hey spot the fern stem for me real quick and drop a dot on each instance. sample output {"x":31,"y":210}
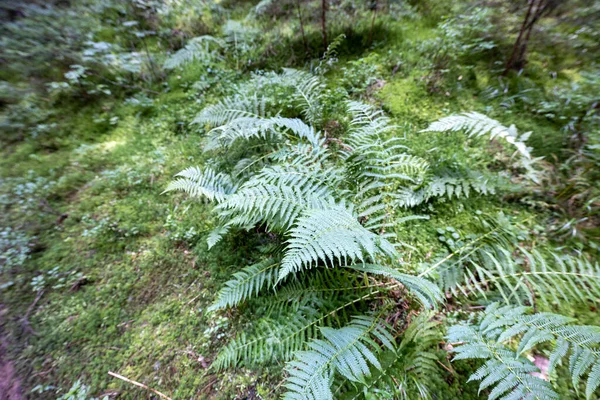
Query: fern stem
{"x":449,"y":256}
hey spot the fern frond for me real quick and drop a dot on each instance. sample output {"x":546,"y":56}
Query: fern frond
{"x":248,"y":127}
{"x":322,"y":288}
{"x":203,"y":183}
{"x":272,"y":338}
{"x":232,"y":108}
{"x":537,"y":277}
{"x":427,"y":292}
{"x":449,"y":185}
{"x":275,"y":200}
{"x":244,"y":128}
{"x":367,"y":124}
{"x":379,"y":162}
{"x":300,"y":129}
{"x":410,"y":371}
{"x":246,"y":283}
{"x":475,"y":124}
{"x":307,"y":172}
{"x":347,"y":351}
{"x":308,"y":92}
{"x":198,"y":48}
{"x":507,"y":323}
{"x":503,"y":368}
{"x":330,"y":235}
{"x":302,"y":154}
{"x":378,"y":168}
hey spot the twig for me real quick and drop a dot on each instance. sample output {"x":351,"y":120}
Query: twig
{"x":446,"y":368}
{"x":139,"y":384}
{"x":31,"y":307}
{"x":25,"y":320}
{"x":192,"y":300}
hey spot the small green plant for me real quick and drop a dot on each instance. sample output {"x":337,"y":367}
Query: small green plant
{"x":79,"y":391}
{"x":330,"y":214}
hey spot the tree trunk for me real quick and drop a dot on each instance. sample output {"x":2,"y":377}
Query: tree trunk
{"x":372,"y":22}
{"x":301,"y":26}
{"x":324,"y":22}
{"x":536,"y":10}
{"x":515,"y":61}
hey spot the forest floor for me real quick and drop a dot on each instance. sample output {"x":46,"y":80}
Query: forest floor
{"x":10,"y":383}
{"x":126,"y":276}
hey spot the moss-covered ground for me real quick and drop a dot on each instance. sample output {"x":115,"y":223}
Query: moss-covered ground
{"x":119,"y":275}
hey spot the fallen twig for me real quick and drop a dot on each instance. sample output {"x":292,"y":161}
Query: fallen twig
{"x":139,"y":384}
{"x":25,"y":319}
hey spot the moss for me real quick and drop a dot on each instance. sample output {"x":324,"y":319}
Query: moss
{"x":148,"y":275}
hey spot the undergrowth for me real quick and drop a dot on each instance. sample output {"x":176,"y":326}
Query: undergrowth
{"x":333,"y":240}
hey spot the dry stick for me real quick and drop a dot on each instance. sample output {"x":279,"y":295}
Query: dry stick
{"x":25,"y":320}
{"x":31,"y":307}
{"x":139,"y":384}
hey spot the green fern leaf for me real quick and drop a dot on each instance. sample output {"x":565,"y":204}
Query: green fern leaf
{"x":347,"y":351}
{"x":502,"y":324}
{"x":203,"y":183}
{"x":232,"y":108}
{"x":330,"y":236}
{"x":427,"y":292}
{"x":476,"y":124}
{"x":272,"y":338}
{"x":197,"y":49}
{"x":246,"y":283}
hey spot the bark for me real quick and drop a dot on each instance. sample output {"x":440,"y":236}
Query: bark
{"x":301,"y":26}
{"x":372,"y":22}
{"x":513,"y":61}
{"x":535,"y":11}
{"x":324,"y":22}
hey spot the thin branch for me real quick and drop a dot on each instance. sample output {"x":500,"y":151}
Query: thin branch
{"x":139,"y":384}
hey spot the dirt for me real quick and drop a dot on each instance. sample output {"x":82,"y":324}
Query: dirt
{"x":10,"y":385}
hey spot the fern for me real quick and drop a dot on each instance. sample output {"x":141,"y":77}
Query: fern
{"x":331,"y":215}
{"x":537,"y":277}
{"x":293,"y":315}
{"x":204,"y":184}
{"x":476,"y":124}
{"x":379,"y":168}
{"x":232,"y":108}
{"x":245,"y":128}
{"x":502,"y":324}
{"x":449,"y":185}
{"x":330,"y":236}
{"x":308,"y":93}
{"x":216,"y":235}
{"x":198,"y":48}
{"x":254,"y":127}
{"x":246,"y":283}
{"x":272,"y":338}
{"x":366,"y":125}
{"x":279,"y":206}
{"x":347,"y":351}
{"x":412,"y":368}
{"x":510,"y":374}
{"x":427,"y":292}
